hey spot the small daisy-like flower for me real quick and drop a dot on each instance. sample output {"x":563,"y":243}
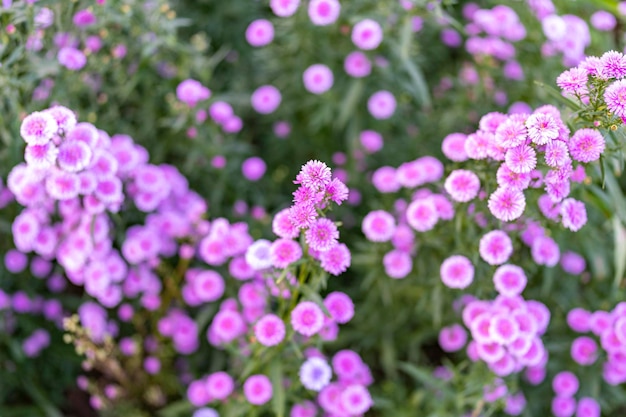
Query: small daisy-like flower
{"x":477,"y":144}
{"x":74,"y":156}
{"x":62,"y":185}
{"x":509,"y":179}
{"x":457,"y":272}
{"x":307,"y":318}
{"x":556,"y":154}
{"x":586,"y":145}
{"x":322,"y":235}
{"x":284,"y":8}
{"x":269,"y":330}
{"x":563,"y":406}
{"x":337,"y":191}
{"x":318,"y":79}
{"x":357,"y":65}
{"x":452,"y":338}
{"x":503,"y":329}
{"x":573,"y":214}
{"x":545,"y":251}
{"x":314,"y":174}
{"x":574,"y":81}
{"x":336,"y":260}
{"x":258,"y":255}
{"x":257,"y":389}
{"x":510,"y":134}
{"x":509,"y":280}
{"x":613,"y":65}
{"x":283,"y":227}
{"x":422,"y":214}
{"x":227,"y":325}
{"x":340,"y":307}
{"x":507,"y":204}
{"x":379,"y":226}
{"x":381,"y":105}
{"x":565,"y":384}
{"x":542,"y":128}
{"x":462,"y":185}
{"x":453,"y":147}
{"x":38,"y":128}
{"x":41,"y":156}
{"x":284,"y":252}
{"x":367,"y":34}
{"x":208,"y":286}
{"x":109,"y":190}
{"x":397,"y":264}
{"x":315,"y":374}
{"x":302,"y":215}
{"x":584,"y":350}
{"x":588,"y":407}
{"x":521,"y":159}
{"x":355,"y":399}
{"x":266,"y":99}
{"x":324,"y":12}
{"x":495,"y":247}
{"x":64,"y":118}
{"x":260,"y":32}
{"x":219,"y":385}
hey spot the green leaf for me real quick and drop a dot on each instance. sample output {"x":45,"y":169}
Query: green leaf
{"x":349,"y":103}
{"x":175,"y":409}
{"x":556,"y":94}
{"x":278,"y":397}
{"x":315,"y":297}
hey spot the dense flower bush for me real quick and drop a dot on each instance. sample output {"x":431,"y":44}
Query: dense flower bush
{"x":312,"y":207}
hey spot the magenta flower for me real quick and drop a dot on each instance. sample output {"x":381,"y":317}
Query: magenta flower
{"x":521,"y":159}
{"x":71,"y":58}
{"x":462,"y":185}
{"x":324,"y":12}
{"x":398,"y":264}
{"x":336,"y":260}
{"x":266,"y":99}
{"x":269,"y":330}
{"x":453,"y":147}
{"x":84,"y":18}
{"x":586,"y":145}
{"x":257,"y":389}
{"x":507,"y":204}
{"x":379,"y":226}
{"x":367,"y":34}
{"x":422,"y":214}
{"x":565,"y":384}
{"x":584,"y":350}
{"x":322,"y":235}
{"x":357,"y":65}
{"x":509,"y":280}
{"x":452,"y":338}
{"x":381,"y":105}
{"x":284,"y":8}
{"x":38,"y":128}
{"x":284,"y":252}
{"x":457,"y":272}
{"x":191,"y":92}
{"x":307,"y":318}
{"x":340,"y":307}
{"x":495,"y":247}
{"x":260,"y":32}
{"x":573,"y":214}
{"x":317,"y":79}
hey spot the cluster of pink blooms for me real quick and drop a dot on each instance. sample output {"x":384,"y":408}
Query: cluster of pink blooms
{"x":599,"y":78}
{"x":506,"y":331}
{"x":565,"y":385}
{"x":367,"y":35}
{"x":610,"y":328}
{"x":492,"y":33}
{"x":568,"y":34}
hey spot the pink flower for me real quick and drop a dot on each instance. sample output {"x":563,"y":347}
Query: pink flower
{"x":565,"y":384}
{"x":367,"y":34}
{"x":574,"y":81}
{"x":317,"y":79}
{"x":371,"y":141}
{"x":322,"y":235}
{"x":556,"y":154}
{"x":586,"y":145}
{"x":314,"y":174}
{"x":613,"y":65}
{"x":573,"y":214}
{"x":506,"y":178}
{"x":381,"y":105}
{"x":507,"y":204}
{"x":257,"y":389}
{"x":452,"y":338}
{"x":545,"y":251}
{"x":38,"y":128}
{"x":269,"y":330}
{"x":266,"y":99}
{"x":191,"y":92}
{"x":510,"y":133}
{"x":588,"y":407}
{"x":307,"y":318}
{"x":336,"y":260}
{"x":284,"y":8}
{"x":208,"y":286}
{"x":71,"y":58}
{"x":219,"y":385}
{"x":355,"y":399}
{"x":462,"y":185}
{"x":284,"y":252}
{"x":521,"y":159}
{"x":227,"y":325}
{"x":340,"y":307}
{"x":542,"y":128}
{"x":584,"y":350}
{"x":495,"y":247}
{"x":457,"y":272}
{"x":260,"y":32}
{"x":74,"y":156}
{"x":379,"y":226}
{"x":509,"y":280}
{"x":324,"y":12}
{"x":253,"y":168}
{"x":385,"y":180}
{"x":397,"y":264}
{"x":422,"y":214}
{"x":563,"y":406}
{"x":84,"y":18}
{"x":357,"y":65}
{"x":453,"y":147}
